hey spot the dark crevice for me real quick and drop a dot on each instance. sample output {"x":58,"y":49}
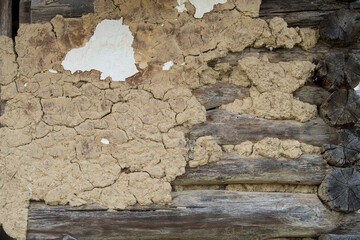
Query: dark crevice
{"x":15,"y":17}
{"x":3,"y":235}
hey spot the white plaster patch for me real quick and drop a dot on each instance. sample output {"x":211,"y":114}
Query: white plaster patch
{"x":105,"y":141}
{"x":168,"y":65}
{"x":52,"y":71}
{"x":205,"y":6}
{"x":357,"y":89}
{"x":109,"y":51}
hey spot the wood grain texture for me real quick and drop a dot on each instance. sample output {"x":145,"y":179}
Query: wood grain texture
{"x":25,"y":11}
{"x":194,"y":215}
{"x":339,"y":237}
{"x":312,"y":94}
{"x":340,"y":28}
{"x":233,"y":168}
{"x":41,"y":13}
{"x":302,"y":12}
{"x":212,"y":96}
{"x":229,"y":128}
{"x":6,"y":18}
{"x":341,"y":109}
{"x":340,"y":190}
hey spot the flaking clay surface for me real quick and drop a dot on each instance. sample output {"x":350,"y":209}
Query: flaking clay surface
{"x":69,"y":137}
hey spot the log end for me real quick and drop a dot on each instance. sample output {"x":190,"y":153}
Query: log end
{"x":340,"y":28}
{"x":340,"y":189}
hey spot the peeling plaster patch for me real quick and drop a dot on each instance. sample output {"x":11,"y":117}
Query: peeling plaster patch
{"x":181,"y":6}
{"x":357,"y":89}
{"x":203,"y":7}
{"x":52,"y":71}
{"x":168,"y":65}
{"x":108,"y":51}
{"x":105,"y":141}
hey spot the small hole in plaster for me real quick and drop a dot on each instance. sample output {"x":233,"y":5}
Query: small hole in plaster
{"x":125,"y":170}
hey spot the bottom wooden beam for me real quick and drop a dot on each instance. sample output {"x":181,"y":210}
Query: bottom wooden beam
{"x":195,"y":215}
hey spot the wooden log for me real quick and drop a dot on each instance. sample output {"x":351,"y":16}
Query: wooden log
{"x":229,"y":128}
{"x":339,"y":70}
{"x":302,"y":12}
{"x":284,"y":55}
{"x":215,"y":95}
{"x":340,"y":189}
{"x":41,"y":12}
{"x":312,"y":94}
{"x":348,"y":152}
{"x":195,"y":215}
{"x":6,"y":18}
{"x":233,"y":168}
{"x":340,"y":28}
{"x":341,"y":109}
{"x":25,"y":11}
{"x":339,"y":237}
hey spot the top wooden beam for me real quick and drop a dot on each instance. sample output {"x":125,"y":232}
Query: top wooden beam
{"x":6,"y":18}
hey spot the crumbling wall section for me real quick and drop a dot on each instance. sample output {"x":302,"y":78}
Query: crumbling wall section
{"x":75,"y":139}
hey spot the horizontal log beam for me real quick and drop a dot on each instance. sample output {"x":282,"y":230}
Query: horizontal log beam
{"x":194,"y":215}
{"x":302,"y":12}
{"x":234,"y":168}
{"x":41,"y":13}
{"x":229,"y":128}
{"x":220,"y":93}
{"x":284,"y":55}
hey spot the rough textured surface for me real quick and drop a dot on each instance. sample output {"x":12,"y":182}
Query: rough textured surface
{"x":74,"y":139}
{"x":272,"y":85}
{"x":340,"y":189}
{"x":271,"y":188}
{"x":206,"y":150}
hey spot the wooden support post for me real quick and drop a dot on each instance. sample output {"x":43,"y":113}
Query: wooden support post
{"x":6,"y":18}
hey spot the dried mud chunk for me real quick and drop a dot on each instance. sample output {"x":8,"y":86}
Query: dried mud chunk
{"x":206,"y":150}
{"x":8,"y":65}
{"x":31,"y":60}
{"x":341,"y":27}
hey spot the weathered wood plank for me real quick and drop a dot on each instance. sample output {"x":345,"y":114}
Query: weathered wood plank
{"x":301,"y":12}
{"x":24,"y":11}
{"x":195,"y":215}
{"x":233,"y":168}
{"x":6,"y":18}
{"x":284,"y":55}
{"x":229,"y":128}
{"x":215,"y":95}
{"x":68,"y":8}
{"x":339,"y":237}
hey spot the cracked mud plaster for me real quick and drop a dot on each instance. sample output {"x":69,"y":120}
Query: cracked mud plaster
{"x":272,"y":148}
{"x":271,"y":87}
{"x":55,"y":122}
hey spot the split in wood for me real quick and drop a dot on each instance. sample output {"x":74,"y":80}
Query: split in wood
{"x":339,"y":71}
{"x":341,"y":108}
{"x":340,"y":189}
{"x":346,"y":154}
{"x":340,"y":28}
